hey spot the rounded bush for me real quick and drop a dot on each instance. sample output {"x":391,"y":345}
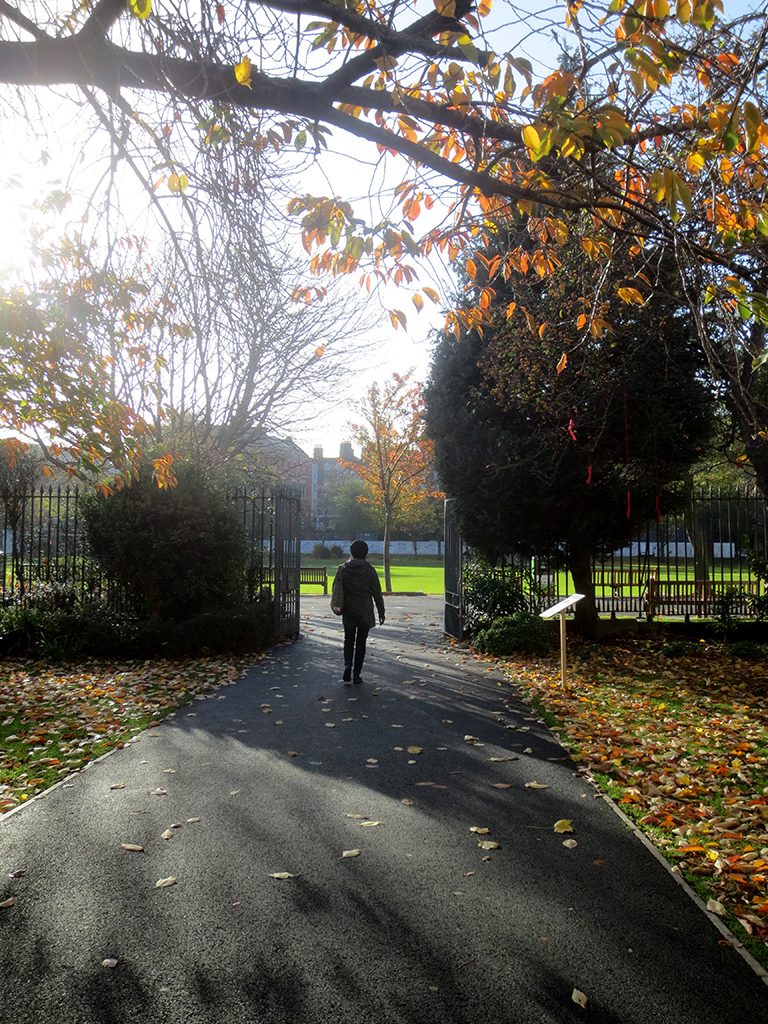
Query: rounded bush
{"x":521,"y":633}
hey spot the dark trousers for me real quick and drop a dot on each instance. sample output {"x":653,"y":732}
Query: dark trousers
{"x":355,"y":637}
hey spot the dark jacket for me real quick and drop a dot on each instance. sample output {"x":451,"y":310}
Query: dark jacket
{"x":361,"y":589}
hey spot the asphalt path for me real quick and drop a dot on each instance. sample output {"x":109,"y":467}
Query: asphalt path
{"x":272,"y":774}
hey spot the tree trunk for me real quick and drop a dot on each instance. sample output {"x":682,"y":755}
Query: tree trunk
{"x":387,"y":537}
{"x":586,"y":619}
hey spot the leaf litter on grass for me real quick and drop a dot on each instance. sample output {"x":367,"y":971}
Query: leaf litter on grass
{"x":56,"y":719}
{"x":682,"y":746}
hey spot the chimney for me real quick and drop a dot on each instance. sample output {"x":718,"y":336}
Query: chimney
{"x":345,"y":452}
{"x":317,"y":454}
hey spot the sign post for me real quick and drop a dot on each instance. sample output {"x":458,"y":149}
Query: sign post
{"x":560,"y":609}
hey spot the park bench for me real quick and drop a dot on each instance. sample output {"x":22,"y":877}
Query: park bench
{"x":618,"y":580}
{"x":693,"y":597}
{"x":307,"y":574}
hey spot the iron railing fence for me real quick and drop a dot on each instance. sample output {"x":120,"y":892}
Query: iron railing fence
{"x":686,"y":564}
{"x":45,"y":554}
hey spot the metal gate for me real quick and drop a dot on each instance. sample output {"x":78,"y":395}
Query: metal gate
{"x":287,"y":562}
{"x":454,"y":570}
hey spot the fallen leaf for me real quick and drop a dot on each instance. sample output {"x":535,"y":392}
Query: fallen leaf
{"x":157,"y":792}
{"x":370,"y":824}
{"x":372,"y":760}
{"x":163,"y":883}
{"x":8,"y":903}
{"x":716,"y":907}
{"x":579,"y":997}
{"x":282,"y":875}
{"x":350,"y":853}
{"x":528,"y":750}
{"x":470,"y":739}
{"x":117,"y":785}
{"x":488,"y":844}
{"x":18,"y":874}
{"x":509,"y":757}
{"x":176,"y":824}
{"x":564,"y":825}
{"x":407,"y":802}
{"x":132,"y":847}
{"x":109,"y":962}
{"x":502,"y":785}
{"x":357,"y":817}
{"x":191,"y":820}
{"x":570,"y":843}
{"x":414,"y":750}
{"x":536,"y":785}
{"x":168,"y":834}
{"x":330,"y":725}
{"x":479,"y":831}
{"x":293,"y":753}
{"x":234,"y":792}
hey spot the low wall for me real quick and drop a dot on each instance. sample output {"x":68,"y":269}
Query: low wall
{"x":376,"y":547}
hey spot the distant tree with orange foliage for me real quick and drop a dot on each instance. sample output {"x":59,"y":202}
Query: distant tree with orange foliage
{"x":396,"y":456}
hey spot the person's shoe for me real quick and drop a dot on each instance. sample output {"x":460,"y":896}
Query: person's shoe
{"x":357,"y":679}
{"x":347,"y":673}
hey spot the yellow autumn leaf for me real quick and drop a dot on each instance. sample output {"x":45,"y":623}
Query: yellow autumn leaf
{"x":564,"y":825}
{"x":579,"y":997}
{"x":350,"y":853}
{"x":163,"y":883}
{"x":536,"y":785}
{"x":141,"y":8}
{"x":531,"y":140}
{"x":284,"y":874}
{"x":488,"y":844}
{"x":243,"y":72}
{"x":132,"y":847}
{"x":414,"y":750}
{"x":478,"y":830}
{"x":446,"y":8}
{"x":370,"y":824}
{"x":570,"y":844}
{"x":168,"y":834}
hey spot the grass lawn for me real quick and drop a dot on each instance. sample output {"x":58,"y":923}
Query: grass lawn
{"x":681,"y":744}
{"x":408,"y":578}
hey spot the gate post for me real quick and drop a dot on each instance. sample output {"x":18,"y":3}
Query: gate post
{"x":453,"y":577}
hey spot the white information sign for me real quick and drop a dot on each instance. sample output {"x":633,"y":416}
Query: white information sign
{"x":560,"y":609}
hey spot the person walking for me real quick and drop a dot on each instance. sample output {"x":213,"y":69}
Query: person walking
{"x":361,"y":586}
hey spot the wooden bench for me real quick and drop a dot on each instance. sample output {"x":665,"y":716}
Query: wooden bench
{"x":307,"y":574}
{"x":617,"y":580}
{"x":693,"y":597}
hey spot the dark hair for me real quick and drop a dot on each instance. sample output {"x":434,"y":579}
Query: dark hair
{"x":358,"y":549}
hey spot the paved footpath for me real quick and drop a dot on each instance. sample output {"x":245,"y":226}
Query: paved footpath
{"x":271,"y":775}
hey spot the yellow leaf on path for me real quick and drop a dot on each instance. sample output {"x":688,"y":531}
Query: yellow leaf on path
{"x":372,"y":760}
{"x":157,"y":792}
{"x":570,"y":843}
{"x":330,"y":725}
{"x":414,"y":750}
{"x":357,"y":817}
{"x":133,"y":847}
{"x":117,"y":785}
{"x":350,"y":853}
{"x":8,"y":903}
{"x":163,"y":883}
{"x":190,"y":821}
{"x":284,"y":874}
{"x":109,"y":962}
{"x":407,"y":802}
{"x":293,"y":753}
{"x":564,"y":825}
{"x":509,"y":757}
{"x":479,"y":831}
{"x":502,"y":785}
{"x":168,"y":834}
{"x":370,"y":824}
{"x":536,"y":785}
{"x":579,"y":997}
{"x":488,"y":844}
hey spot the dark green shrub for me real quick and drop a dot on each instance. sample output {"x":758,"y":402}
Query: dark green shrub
{"x":89,"y":629}
{"x":19,"y":629}
{"x":488,"y":596}
{"x":175,"y":551}
{"x":243,"y":630}
{"x":746,"y":650}
{"x":337,"y":551}
{"x":521,"y":633}
{"x":323,"y":551}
